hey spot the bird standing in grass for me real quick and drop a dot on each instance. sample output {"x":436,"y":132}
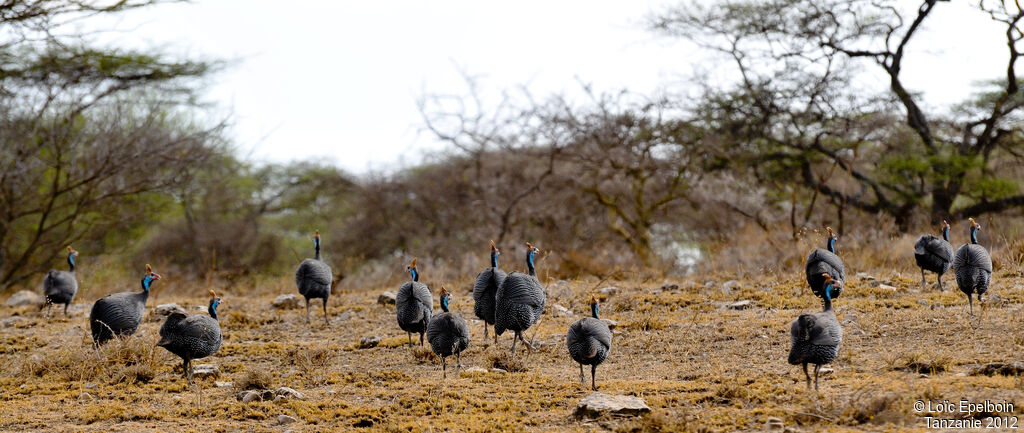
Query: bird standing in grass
{"x":934,"y":254}
{"x":448,"y":335}
{"x":313,"y":277}
{"x":589,"y":340}
{"x":486,"y":287}
{"x":816,"y":336}
{"x":414,"y":305}
{"x":973,"y":267}
{"x":192,"y":336}
{"x":519,"y":301}
{"x":821,"y":262}
{"x":60,"y":287}
{"x":120,"y":313}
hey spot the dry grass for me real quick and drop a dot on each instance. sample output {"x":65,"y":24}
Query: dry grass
{"x":700,"y":366}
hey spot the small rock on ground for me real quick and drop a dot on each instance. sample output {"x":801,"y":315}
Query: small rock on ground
{"x":611,"y":323}
{"x":475,"y":369}
{"x":560,"y":309}
{"x":285,"y":419}
{"x":1001,"y":368}
{"x":498,"y":370}
{"x":741,"y":305}
{"x":597,"y":404}
{"x":25,"y":298}
{"x":670,"y":287}
{"x":287,"y":392}
{"x":86,"y":396}
{"x":610,"y":291}
{"x":167,"y":309}
{"x":346,"y":315}
{"x":369,"y":342}
{"x":386,"y":298}
{"x":287,"y":301}
{"x":205,"y":370}
{"x":220,"y":384}
{"x":773,"y":423}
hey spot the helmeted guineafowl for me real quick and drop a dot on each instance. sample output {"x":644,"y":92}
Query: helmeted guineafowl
{"x":448,"y":335}
{"x":120,"y":313}
{"x":414,"y":305}
{"x":973,"y":267}
{"x":314,"y":277}
{"x":519,"y":301}
{"x":60,"y":287}
{"x":485,"y":288}
{"x":934,"y":254}
{"x":822,"y":262}
{"x":816,"y":336}
{"x":589,"y":341}
{"x":192,"y":336}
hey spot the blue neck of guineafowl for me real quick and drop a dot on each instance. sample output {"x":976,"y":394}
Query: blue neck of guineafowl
{"x":213,"y":308}
{"x":316,"y":244}
{"x":593,"y":309}
{"x":146,"y":281}
{"x":444,"y":303}
{"x":494,"y":259}
{"x":71,"y":263}
{"x":945,"y":234}
{"x":974,"y":235}
{"x":831,"y":244}
{"x":415,"y":275}
{"x":828,"y":297}
{"x":529,"y":262}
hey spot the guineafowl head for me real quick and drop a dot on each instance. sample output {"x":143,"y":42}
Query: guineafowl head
{"x":316,"y":243}
{"x":830,"y":284}
{"x":974,"y":230}
{"x":832,"y":237}
{"x":531,"y":251}
{"x":945,"y":230}
{"x":594,"y":307}
{"x":494,"y":255}
{"x":412,"y":270}
{"x":214,"y":303}
{"x":445,"y":297}
{"x":149,"y":278}
{"x":71,"y":257}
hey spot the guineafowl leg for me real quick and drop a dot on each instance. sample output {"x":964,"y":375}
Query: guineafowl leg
{"x":923,"y":282}
{"x":485,"y":330}
{"x":971,"y":302}
{"x":514,"y":339}
{"x":307,"y":310}
{"x":458,"y":363}
{"x":808,"y":376}
{"x":66,"y":310}
{"x":421,"y":339}
{"x":326,"y":320}
{"x":940,"y":284}
{"x":410,"y":338}
{"x":583,"y":378}
{"x":444,"y":366}
{"x":593,"y":376}
{"x":529,"y":347}
{"x":816,"y":368}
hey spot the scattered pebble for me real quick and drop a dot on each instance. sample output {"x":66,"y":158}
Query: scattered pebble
{"x":773,"y":423}
{"x":865,"y":276}
{"x":86,"y":396}
{"x":611,"y":323}
{"x":285,"y":419}
{"x":498,"y":370}
{"x":1002,"y":368}
{"x":670,"y":287}
{"x":287,"y":301}
{"x":610,"y":291}
{"x":287,"y":392}
{"x":369,"y":342}
{"x":205,"y":370}
{"x":825,"y":371}
{"x":475,"y":369}
{"x":386,"y":298}
{"x":561,"y":310}
{"x":346,"y":315}
{"x":740,"y":305}
{"x":220,"y":384}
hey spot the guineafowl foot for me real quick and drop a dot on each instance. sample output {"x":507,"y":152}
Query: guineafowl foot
{"x":816,"y":368}
{"x":410,"y":338}
{"x":65,"y":310}
{"x":808,"y":376}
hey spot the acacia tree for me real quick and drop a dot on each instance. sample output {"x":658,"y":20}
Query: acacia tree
{"x":86,"y":134}
{"x":797,"y":112}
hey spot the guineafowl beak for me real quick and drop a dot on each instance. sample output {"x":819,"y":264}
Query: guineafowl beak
{"x":155,"y":275}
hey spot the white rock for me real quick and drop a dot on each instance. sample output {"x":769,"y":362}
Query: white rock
{"x":369,"y":342}
{"x":25,"y":298}
{"x":287,"y":392}
{"x":773,"y":423}
{"x":167,"y":309}
{"x":475,"y":369}
{"x":740,"y":305}
{"x":886,"y":287}
{"x":220,"y":384}
{"x":610,"y":291}
{"x":864,"y":276}
{"x":825,"y":371}
{"x":205,"y":370}
{"x":597,"y":404}
{"x":611,"y":323}
{"x":346,"y":315}
{"x":498,"y":370}
{"x":285,"y":419}
{"x":561,"y":310}
{"x":86,"y":396}
{"x":386,"y":298}
{"x":287,"y":301}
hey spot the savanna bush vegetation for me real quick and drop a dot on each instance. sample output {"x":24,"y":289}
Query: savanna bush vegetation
{"x":112,"y":150}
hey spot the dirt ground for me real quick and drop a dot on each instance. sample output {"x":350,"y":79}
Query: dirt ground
{"x":700,"y":365}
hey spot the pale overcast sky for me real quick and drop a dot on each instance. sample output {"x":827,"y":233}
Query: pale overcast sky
{"x":339,"y":80}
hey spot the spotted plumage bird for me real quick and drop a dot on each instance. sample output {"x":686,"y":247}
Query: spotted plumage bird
{"x":589,"y":341}
{"x":313,"y":278}
{"x":60,"y":287}
{"x":192,"y":336}
{"x":448,"y":335}
{"x":816,"y":337}
{"x":519,"y":301}
{"x":414,"y":305}
{"x":119,"y":314}
{"x":934,"y":254}
{"x":821,"y":262}
{"x":973,"y":267}
{"x":485,"y":289}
